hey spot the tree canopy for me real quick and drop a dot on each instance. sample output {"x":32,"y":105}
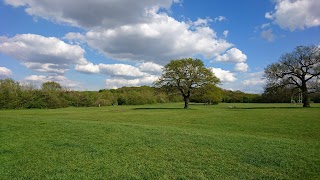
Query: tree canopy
{"x":186,"y":75}
{"x":299,"y":69}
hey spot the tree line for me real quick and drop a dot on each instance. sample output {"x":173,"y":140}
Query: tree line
{"x":14,"y":95}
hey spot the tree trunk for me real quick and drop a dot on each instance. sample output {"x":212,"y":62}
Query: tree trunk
{"x":305,"y":96}
{"x":305,"y":99}
{"x":186,"y":102}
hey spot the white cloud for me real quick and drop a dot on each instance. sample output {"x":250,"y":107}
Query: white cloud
{"x":268,"y":35}
{"x":89,"y":68}
{"x":296,"y":14}
{"x":72,"y":36}
{"x":202,"y":22}
{"x":268,"y":15}
{"x":123,"y":30}
{"x":158,"y":41}
{"x":120,"y":82}
{"x":130,"y":30}
{"x":263,"y":26}
{"x":47,"y":67}
{"x":247,"y":82}
{"x":93,"y":14}
{"x":220,"y":18}
{"x":5,"y":72}
{"x":121,"y":70}
{"x":124,"y":75}
{"x":225,"y":33}
{"x":241,"y":67}
{"x":253,"y":82}
{"x":258,"y":74}
{"x":63,"y":81}
{"x":151,"y":68}
{"x":223,"y":75}
{"x":232,"y":55}
{"x":43,"y":54}
{"x":254,"y":79}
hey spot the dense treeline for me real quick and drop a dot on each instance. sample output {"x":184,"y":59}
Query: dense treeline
{"x":285,"y":95}
{"x":240,"y":97}
{"x":13,"y":95}
{"x":52,"y":95}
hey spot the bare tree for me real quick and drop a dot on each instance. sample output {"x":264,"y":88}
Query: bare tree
{"x":299,"y":69}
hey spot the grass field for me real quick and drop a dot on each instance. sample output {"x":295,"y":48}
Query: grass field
{"x":163,"y":141}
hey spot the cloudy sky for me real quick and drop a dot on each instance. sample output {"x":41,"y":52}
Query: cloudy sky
{"x":97,"y":44}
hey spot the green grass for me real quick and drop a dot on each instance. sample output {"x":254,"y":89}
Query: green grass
{"x":163,"y":141}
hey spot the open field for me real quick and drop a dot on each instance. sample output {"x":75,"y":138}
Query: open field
{"x":163,"y":141}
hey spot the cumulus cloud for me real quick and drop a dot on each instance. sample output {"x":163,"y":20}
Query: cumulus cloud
{"x":63,"y":81}
{"x":88,"y":68}
{"x":151,"y":68}
{"x":253,"y":79}
{"x":121,"y":70}
{"x":254,"y":82}
{"x":232,"y":55}
{"x":247,"y":82}
{"x":122,"y":30}
{"x":297,"y":14}
{"x":223,"y":75}
{"x":241,"y":67}
{"x":5,"y":72}
{"x":129,"y":30}
{"x":158,"y":41}
{"x":80,"y":12}
{"x":120,"y":82}
{"x":123,"y":74}
{"x":268,"y":35}
{"x":43,"y":54}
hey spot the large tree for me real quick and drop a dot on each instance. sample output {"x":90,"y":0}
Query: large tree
{"x":185,"y":75}
{"x":299,"y":69}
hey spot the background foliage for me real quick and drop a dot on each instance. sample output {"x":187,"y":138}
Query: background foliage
{"x":14,"y":95}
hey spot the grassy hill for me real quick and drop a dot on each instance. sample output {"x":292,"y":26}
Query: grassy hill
{"x":162,"y":141}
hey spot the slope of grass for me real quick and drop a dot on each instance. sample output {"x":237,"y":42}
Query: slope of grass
{"x":164,"y":141}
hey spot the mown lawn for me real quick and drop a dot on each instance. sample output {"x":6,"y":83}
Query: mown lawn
{"x":163,"y":141}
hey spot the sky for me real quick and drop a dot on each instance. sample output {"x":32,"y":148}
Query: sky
{"x":106,"y":44}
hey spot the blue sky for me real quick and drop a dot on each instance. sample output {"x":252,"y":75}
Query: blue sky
{"x":92,"y":45}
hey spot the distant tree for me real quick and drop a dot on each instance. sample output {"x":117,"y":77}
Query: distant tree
{"x":186,"y":75}
{"x":299,"y":69}
{"x":52,"y":94}
{"x":51,"y":86}
{"x":10,"y":93}
{"x":277,"y":95}
{"x":210,"y":94}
